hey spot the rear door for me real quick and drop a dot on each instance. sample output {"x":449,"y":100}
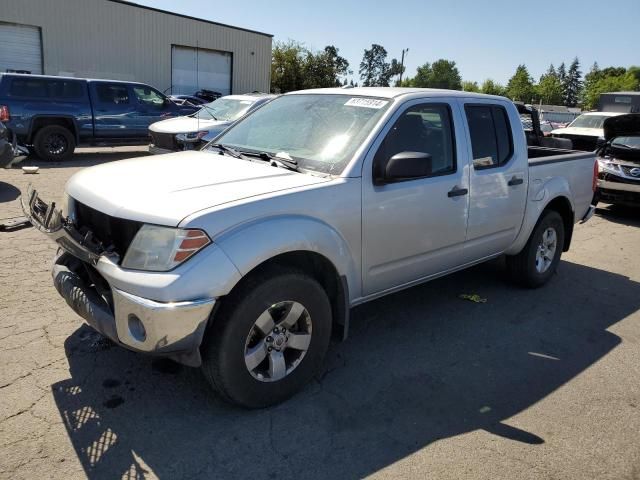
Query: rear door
{"x":499,"y":177}
{"x":416,"y":228}
{"x":113,"y":110}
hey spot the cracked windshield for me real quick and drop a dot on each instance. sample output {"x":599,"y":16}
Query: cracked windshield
{"x":320,"y":132}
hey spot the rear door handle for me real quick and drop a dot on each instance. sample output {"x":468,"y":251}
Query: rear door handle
{"x":515,"y":181}
{"x":457,"y":192}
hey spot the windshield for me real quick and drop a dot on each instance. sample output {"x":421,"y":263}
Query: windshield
{"x":227,"y":109}
{"x":589,"y":121}
{"x":628,"y":142}
{"x":320,"y":132}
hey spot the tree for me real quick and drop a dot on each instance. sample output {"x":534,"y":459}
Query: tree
{"x":573,"y":84}
{"x":610,"y":79}
{"x":469,"y":86}
{"x":324,"y":68}
{"x":520,"y":86}
{"x":549,"y":89}
{"x":492,"y":88}
{"x":294,"y":67}
{"x":287,"y":66}
{"x":375,"y":71}
{"x":440,"y":74}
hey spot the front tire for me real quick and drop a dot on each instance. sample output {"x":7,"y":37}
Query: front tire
{"x":268,"y":339}
{"x":54,"y":143}
{"x":538,"y":260}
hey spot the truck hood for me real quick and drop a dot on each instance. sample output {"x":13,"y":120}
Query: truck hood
{"x":165,"y":189}
{"x":622,"y":126}
{"x":587,"y":132}
{"x":187,"y":125}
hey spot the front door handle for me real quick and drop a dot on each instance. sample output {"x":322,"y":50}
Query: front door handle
{"x":457,"y":192}
{"x":515,"y":181}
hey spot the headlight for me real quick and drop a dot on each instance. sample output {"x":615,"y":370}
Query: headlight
{"x":159,"y":249}
{"x":608,"y":166}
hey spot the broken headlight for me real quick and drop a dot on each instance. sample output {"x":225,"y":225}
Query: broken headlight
{"x":160,"y":249}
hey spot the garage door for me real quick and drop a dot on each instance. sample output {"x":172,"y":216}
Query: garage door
{"x":194,"y":69}
{"x":20,"y":49}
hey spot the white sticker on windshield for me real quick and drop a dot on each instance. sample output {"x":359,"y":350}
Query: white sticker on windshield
{"x":366,"y":102}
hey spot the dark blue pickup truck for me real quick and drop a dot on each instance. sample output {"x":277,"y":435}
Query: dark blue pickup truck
{"x":53,"y":115}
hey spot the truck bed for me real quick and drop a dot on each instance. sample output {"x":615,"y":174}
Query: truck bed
{"x":544,"y":155}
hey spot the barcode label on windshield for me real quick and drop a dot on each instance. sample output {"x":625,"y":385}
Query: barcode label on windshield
{"x":366,"y":102}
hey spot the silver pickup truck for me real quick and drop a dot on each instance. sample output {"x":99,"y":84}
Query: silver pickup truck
{"x":243,"y":258}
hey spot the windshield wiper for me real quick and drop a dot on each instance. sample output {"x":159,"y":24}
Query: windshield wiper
{"x":226,"y":149}
{"x":209,"y":110}
{"x":288,"y":163}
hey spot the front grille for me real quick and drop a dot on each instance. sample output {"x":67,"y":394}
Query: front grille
{"x":164,"y":140}
{"x":627,"y":170}
{"x":113,"y":233}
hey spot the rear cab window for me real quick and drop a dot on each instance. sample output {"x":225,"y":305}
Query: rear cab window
{"x":491,"y":137}
{"x":114,"y":94}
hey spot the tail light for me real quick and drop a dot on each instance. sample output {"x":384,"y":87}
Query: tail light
{"x":4,"y":113}
{"x":594,"y":183}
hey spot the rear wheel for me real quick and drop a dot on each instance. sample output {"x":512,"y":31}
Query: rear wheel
{"x":268,"y":339}
{"x":538,"y":260}
{"x":54,"y":143}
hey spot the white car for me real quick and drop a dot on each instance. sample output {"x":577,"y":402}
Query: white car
{"x":585,"y":130}
{"x":193,"y":131}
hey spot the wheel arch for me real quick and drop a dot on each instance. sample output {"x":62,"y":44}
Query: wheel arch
{"x":562,"y":205}
{"x":38,"y":122}
{"x":303,"y":243}
{"x":321,"y":269}
{"x":557,"y":199}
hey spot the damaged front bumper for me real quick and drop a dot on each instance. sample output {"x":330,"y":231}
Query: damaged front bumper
{"x":173,"y":329}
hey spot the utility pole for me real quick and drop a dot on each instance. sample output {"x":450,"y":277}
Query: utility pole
{"x":404,"y":50}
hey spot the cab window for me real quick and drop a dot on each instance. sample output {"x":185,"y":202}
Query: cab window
{"x":148,"y":96}
{"x":112,"y":93}
{"x":490,"y":133}
{"x":424,"y":128}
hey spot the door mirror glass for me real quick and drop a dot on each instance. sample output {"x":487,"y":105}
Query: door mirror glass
{"x":407,"y":166}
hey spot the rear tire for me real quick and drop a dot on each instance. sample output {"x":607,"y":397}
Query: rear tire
{"x":54,"y":143}
{"x":538,"y":260}
{"x":247,"y":356}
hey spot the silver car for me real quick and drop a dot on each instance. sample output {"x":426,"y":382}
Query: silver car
{"x":244,"y":257}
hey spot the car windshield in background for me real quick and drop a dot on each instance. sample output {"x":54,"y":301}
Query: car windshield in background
{"x":589,"y":121}
{"x":226,"y":109}
{"x":321,"y":132}
{"x":628,"y":142}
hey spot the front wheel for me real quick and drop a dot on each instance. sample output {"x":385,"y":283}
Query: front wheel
{"x":268,"y":339}
{"x":538,"y":260}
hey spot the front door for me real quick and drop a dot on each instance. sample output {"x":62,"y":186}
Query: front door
{"x":150,"y":107}
{"x":416,"y":228}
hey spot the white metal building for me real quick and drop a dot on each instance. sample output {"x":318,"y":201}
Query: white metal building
{"x":115,"y":39}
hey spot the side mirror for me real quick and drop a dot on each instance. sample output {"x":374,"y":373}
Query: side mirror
{"x":407,"y":166}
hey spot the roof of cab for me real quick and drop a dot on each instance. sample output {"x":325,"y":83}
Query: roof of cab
{"x":56,"y":77}
{"x":394,"y":92}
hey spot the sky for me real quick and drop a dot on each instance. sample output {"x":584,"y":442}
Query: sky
{"x":485,"y":39}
